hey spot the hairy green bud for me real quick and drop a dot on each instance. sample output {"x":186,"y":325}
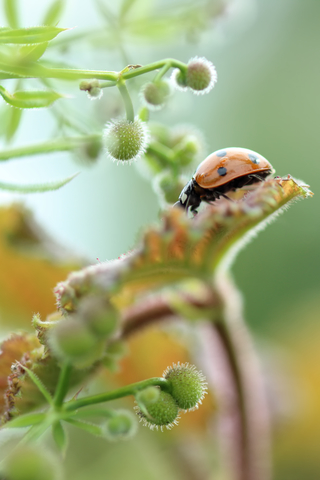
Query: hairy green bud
{"x":72,"y":341}
{"x":169,"y":187}
{"x":201,"y":75}
{"x":121,"y":426}
{"x":155,"y":94}
{"x":99,"y":315}
{"x":159,"y":413}
{"x":125,"y":141}
{"x":188,"y":385}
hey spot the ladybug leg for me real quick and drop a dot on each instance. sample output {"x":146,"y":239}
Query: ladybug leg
{"x":255,"y":175}
{"x":225,"y":196}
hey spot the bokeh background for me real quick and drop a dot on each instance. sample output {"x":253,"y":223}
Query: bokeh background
{"x":267,"y":99}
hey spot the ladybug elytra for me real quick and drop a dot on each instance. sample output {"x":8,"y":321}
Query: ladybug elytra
{"x":223,"y":171}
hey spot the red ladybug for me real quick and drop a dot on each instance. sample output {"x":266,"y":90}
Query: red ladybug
{"x":221,"y":172}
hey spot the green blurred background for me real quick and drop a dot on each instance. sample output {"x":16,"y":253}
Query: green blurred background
{"x":267,"y":99}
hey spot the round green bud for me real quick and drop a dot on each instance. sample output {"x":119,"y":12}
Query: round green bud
{"x":155,"y":94}
{"x":163,"y":412}
{"x":72,"y":341}
{"x":148,"y":395}
{"x":168,"y":186}
{"x":179,"y":80}
{"x":201,"y":75}
{"x":121,"y":426}
{"x":187,"y":150}
{"x":188,"y":385}
{"x":125,"y":141}
{"x":89,"y":151}
{"x":99,"y":315}
{"x":28,"y":463}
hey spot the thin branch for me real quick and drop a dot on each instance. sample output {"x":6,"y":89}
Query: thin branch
{"x":231,"y":367}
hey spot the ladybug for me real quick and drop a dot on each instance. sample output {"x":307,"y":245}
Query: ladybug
{"x":221,"y":172}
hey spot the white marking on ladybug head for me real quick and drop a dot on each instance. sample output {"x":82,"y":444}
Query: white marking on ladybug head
{"x":183,"y":198}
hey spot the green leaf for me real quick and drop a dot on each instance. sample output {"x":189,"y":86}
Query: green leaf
{"x":44,"y":187}
{"x":126,"y":7}
{"x":25,"y":99}
{"x":36,"y":380}
{"x":88,"y":427}
{"x":185,"y":248}
{"x":26,"y":420}
{"x":60,"y":437}
{"x":54,"y":12}
{"x":13,"y":122}
{"x":27,"y":36}
{"x":11,"y":11}
{"x":32,"y":53}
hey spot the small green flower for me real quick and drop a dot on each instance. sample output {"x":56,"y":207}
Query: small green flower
{"x":126,"y":141}
{"x":188,"y":385}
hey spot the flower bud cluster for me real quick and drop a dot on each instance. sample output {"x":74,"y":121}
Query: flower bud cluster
{"x":161,"y":408}
{"x":92,"y":88}
{"x":80,"y":339}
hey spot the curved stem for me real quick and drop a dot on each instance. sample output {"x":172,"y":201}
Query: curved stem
{"x":162,"y":72}
{"x":39,"y":71}
{"x":119,"y":393}
{"x":230,"y":364}
{"x":171,"y":62}
{"x":127,"y":100}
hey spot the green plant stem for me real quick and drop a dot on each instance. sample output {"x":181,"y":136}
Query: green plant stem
{"x":63,"y":385}
{"x":40,"y":71}
{"x":61,"y":144}
{"x":162,"y":72}
{"x":126,"y":99}
{"x":168,"y":63}
{"x":107,"y":84}
{"x":159,"y":149}
{"x":119,"y":393}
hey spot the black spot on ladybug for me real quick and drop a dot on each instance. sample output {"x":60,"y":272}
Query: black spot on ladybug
{"x":222,"y":171}
{"x":221,"y":153}
{"x":254,"y":158}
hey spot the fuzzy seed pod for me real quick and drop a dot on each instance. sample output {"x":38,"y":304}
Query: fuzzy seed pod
{"x":125,"y":141}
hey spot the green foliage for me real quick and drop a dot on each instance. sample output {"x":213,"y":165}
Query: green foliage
{"x":28,"y":36}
